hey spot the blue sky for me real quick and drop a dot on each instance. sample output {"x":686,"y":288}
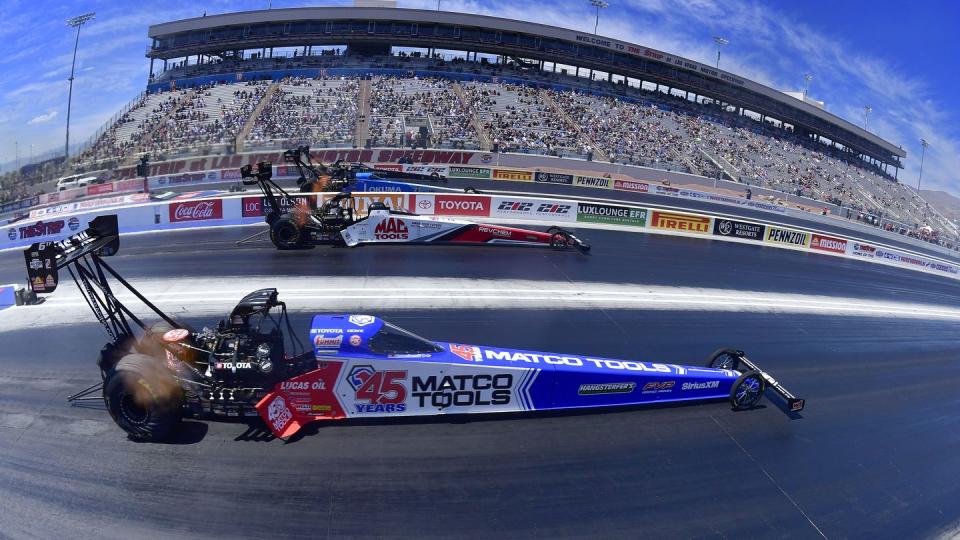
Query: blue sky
{"x":903,"y":59}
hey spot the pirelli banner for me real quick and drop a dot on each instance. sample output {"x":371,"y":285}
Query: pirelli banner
{"x":676,"y":221}
{"x":514,"y":175}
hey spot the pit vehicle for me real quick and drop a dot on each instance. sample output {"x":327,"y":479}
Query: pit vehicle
{"x":354,"y":365}
{"x":293,"y":224}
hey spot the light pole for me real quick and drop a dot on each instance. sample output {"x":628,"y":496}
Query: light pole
{"x":924,"y":144}
{"x":866,"y":112}
{"x":806,"y":84}
{"x":721,"y":42}
{"x":75,"y":22}
{"x":599,"y":4}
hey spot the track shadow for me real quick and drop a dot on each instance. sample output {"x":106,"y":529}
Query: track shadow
{"x":256,"y":432}
{"x":188,"y":433}
{"x":463,"y":419}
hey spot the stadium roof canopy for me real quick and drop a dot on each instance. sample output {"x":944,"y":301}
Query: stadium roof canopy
{"x":366,"y":27}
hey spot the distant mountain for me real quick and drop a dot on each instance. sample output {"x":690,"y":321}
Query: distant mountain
{"x":945,"y":203}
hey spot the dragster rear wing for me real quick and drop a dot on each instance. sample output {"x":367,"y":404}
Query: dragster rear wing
{"x":45,"y":259}
{"x":794,"y":404}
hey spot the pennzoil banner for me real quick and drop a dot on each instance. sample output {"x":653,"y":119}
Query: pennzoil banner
{"x":776,"y":235}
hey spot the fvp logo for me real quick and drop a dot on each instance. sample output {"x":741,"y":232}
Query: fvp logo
{"x":378,"y":391}
{"x":391,"y":229}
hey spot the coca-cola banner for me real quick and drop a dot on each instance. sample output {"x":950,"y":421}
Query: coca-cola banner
{"x":196,"y":210}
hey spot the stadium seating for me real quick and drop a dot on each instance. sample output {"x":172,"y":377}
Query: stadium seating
{"x":320,"y":112}
{"x":618,"y":123}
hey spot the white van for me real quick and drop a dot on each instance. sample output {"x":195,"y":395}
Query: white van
{"x":75,"y":181}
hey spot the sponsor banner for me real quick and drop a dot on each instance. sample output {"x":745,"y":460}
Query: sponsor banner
{"x":259,"y":206}
{"x":789,"y":237}
{"x":512,"y":174}
{"x":436,"y":157}
{"x":863,"y":250}
{"x":203,"y":177}
{"x":518,"y":207}
{"x":285,"y":171}
{"x":627,"y":185}
{"x":360,"y":202}
{"x":422,"y":204}
{"x":63,"y":196}
{"x":469,"y":172}
{"x":43,"y":229}
{"x":611,"y":214}
{"x":666,"y":190}
{"x":680,"y":222}
{"x":593,"y":181}
{"x":738,"y":229}
{"x":377,"y":388}
{"x":124,"y":186}
{"x":20,"y":205}
{"x":461,"y":205}
{"x":99,"y":189}
{"x":206,"y":210}
{"x":766,"y":206}
{"x":426,"y":169}
{"x":914,"y":260}
{"x":79,"y":206}
{"x":231,"y":175}
{"x":828,"y":243}
{"x":553,"y":178}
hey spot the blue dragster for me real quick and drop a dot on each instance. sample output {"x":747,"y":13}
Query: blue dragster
{"x":367,"y":367}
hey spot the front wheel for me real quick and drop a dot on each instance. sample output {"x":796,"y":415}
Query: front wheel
{"x":143,"y":398}
{"x":560,"y":240}
{"x":724,"y":359}
{"x":747,"y":391}
{"x":285,"y":233}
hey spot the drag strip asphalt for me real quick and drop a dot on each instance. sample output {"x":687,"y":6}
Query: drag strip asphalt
{"x":875,"y":454}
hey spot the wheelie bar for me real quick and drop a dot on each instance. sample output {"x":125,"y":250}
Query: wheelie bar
{"x":794,"y":404}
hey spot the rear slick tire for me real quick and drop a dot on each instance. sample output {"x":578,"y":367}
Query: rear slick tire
{"x":286,"y":234}
{"x":143,"y":398}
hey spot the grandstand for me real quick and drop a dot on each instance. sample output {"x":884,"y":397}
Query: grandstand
{"x":384,"y":77}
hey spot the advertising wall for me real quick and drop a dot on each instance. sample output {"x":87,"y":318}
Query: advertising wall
{"x":59,"y":222}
